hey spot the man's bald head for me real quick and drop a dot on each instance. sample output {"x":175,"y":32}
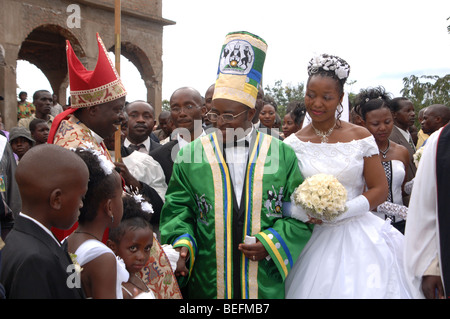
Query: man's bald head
{"x":435,"y":117}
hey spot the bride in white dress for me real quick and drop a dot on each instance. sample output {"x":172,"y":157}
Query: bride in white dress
{"x":358,"y":255}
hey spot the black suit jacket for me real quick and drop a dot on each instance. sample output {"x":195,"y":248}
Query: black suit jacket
{"x":165,"y":155}
{"x":154,"y":145}
{"x":34,"y":265}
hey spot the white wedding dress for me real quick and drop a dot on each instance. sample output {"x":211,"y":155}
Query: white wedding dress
{"x":356,"y":257}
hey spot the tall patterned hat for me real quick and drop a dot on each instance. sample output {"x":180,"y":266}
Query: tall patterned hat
{"x":240,"y":68}
{"x":88,"y":88}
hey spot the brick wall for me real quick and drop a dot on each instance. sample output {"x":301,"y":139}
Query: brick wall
{"x":151,"y":7}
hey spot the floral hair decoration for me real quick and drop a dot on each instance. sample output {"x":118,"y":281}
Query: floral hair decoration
{"x":329,"y":63}
{"x":105,"y":164}
{"x":146,"y":206}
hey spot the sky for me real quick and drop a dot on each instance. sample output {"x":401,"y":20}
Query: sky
{"x":383,"y":41}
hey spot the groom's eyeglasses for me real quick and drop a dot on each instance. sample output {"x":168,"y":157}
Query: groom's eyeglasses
{"x":226,"y":118}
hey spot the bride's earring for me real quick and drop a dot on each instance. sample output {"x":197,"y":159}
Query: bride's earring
{"x":112,"y":219}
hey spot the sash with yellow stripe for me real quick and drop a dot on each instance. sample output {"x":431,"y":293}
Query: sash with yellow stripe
{"x":224,"y":213}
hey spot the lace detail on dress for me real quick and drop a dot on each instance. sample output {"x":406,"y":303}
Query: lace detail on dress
{"x":345,"y":161}
{"x":365,"y":147}
{"x":392,"y":210}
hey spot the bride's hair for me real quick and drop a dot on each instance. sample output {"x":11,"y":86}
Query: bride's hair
{"x":330,"y":66}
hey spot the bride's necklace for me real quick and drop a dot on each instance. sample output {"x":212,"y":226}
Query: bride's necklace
{"x":324,"y":135}
{"x":384,"y":153}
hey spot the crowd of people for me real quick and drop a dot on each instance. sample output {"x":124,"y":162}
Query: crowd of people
{"x":103,"y":200}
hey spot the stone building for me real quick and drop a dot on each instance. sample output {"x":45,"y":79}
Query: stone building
{"x":36,"y":30}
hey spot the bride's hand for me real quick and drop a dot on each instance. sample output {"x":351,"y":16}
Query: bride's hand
{"x":314,"y":221}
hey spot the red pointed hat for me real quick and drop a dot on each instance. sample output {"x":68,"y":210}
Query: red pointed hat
{"x":88,"y":88}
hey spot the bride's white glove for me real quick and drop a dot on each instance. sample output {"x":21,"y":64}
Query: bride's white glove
{"x":355,"y":206}
{"x":292,"y":210}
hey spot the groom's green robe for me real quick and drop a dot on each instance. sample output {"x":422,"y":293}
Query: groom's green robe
{"x":200,"y":213}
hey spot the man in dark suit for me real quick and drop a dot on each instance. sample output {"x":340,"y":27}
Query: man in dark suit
{"x":397,"y":137}
{"x":34,"y":263}
{"x":404,"y":116}
{"x":141,"y":119}
{"x":186,"y":110}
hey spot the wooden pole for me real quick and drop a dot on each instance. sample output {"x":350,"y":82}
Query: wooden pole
{"x":117,"y":31}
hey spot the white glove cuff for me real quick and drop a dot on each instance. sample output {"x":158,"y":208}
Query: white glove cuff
{"x":355,"y":206}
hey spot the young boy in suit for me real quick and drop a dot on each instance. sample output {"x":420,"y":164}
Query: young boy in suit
{"x":52,"y":182}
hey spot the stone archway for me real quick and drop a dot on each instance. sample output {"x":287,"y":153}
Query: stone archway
{"x":141,"y":61}
{"x":45,"y":24}
{"x":45,"y":47}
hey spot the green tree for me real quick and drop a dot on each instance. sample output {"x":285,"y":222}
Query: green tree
{"x":426,"y":90}
{"x":165,"y":105}
{"x":283,"y":94}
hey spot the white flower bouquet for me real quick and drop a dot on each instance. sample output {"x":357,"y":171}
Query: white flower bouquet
{"x":417,"y":156}
{"x":322,"y":196}
{"x":78,"y":268}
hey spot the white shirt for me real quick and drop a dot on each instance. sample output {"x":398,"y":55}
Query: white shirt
{"x":422,"y":226}
{"x":237,"y":163}
{"x":144,"y":149}
{"x":147,"y":170}
{"x":42,"y":226}
{"x":406,"y":135}
{"x":97,"y":137}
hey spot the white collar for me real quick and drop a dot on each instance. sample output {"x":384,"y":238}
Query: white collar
{"x":97,"y":137}
{"x":146,"y":143}
{"x":40,"y":225}
{"x":406,"y":134}
{"x":247,"y":137}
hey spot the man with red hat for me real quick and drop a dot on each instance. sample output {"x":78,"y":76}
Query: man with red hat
{"x":97,"y":100}
{"x":96,"y":111}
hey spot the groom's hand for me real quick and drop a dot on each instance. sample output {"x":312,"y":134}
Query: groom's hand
{"x":181,"y":263}
{"x":255,"y":252}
